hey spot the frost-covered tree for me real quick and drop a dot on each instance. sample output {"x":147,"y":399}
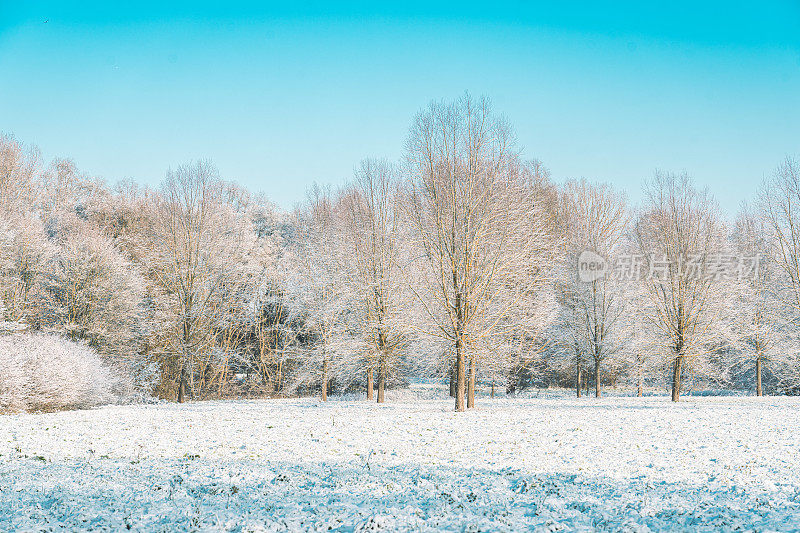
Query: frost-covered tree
{"x":476,"y":226}
{"x":755,"y":313}
{"x":371,"y":223}
{"x":20,"y":170}
{"x":319,"y":291}
{"x":197,"y":246}
{"x":272,"y":316}
{"x":596,"y":220}
{"x":780,"y":208}
{"x":678,"y":234}
{"x":92,"y":293}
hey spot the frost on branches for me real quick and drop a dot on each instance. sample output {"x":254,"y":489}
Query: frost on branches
{"x":459,"y":263}
{"x":46,"y":373}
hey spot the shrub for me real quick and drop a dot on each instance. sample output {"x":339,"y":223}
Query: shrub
{"x":41,"y":372}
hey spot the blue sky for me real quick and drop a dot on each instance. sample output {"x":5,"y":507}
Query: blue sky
{"x":282,"y":96}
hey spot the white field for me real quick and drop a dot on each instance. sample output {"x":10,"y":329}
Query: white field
{"x":547,"y":464}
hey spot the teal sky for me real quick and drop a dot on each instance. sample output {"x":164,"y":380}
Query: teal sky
{"x":282,"y":96}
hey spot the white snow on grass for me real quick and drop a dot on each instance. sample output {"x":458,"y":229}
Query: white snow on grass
{"x":546,"y":464}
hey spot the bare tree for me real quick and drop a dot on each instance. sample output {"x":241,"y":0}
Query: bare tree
{"x":474,"y":225}
{"x":596,"y":221}
{"x":779,"y":203}
{"x":320,"y":290}
{"x":753,"y":316}
{"x":678,"y":234}
{"x":197,"y":244}
{"x":371,"y":223}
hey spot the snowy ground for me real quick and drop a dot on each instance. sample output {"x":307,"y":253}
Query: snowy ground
{"x":548,"y":463}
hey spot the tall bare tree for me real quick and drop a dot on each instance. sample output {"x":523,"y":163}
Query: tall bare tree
{"x":320,"y":289}
{"x":197,"y":245}
{"x":678,"y":234}
{"x":474,"y":219}
{"x":596,"y":219}
{"x":779,"y":202}
{"x":371,"y":223}
{"x":780,"y":205}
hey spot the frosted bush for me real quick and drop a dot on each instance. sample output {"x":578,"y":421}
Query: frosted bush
{"x":44,"y":372}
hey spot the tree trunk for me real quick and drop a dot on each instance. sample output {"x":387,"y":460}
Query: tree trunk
{"x":676,"y":378}
{"x":453,"y":381}
{"x":759,"y":392}
{"x":381,"y":381}
{"x":493,"y":390}
{"x":325,"y":379}
{"x":639,"y":387}
{"x":578,"y":373}
{"x":596,"y":378}
{"x":182,"y":385}
{"x":471,"y":383}
{"x":460,"y":375}
{"x":460,"y":362}
{"x":370,"y":385}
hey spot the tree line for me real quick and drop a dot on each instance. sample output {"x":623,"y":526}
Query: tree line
{"x":462,"y":261}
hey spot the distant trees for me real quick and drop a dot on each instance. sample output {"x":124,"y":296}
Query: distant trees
{"x":459,"y":262}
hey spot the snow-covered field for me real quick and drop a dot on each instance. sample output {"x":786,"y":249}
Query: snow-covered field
{"x":548,"y":463}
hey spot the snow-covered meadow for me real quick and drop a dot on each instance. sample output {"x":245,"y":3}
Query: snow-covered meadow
{"x":543,"y":463}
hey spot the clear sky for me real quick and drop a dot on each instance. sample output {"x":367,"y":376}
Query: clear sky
{"x":282,"y":96}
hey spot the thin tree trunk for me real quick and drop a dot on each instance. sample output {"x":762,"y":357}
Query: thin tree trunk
{"x":676,"y":378}
{"x":471,"y":384}
{"x":460,"y":362}
{"x":596,"y":378}
{"x":325,"y":379}
{"x":381,"y":381}
{"x":186,"y":338}
{"x":453,"y":381}
{"x":492,"y":389}
{"x":370,"y":385}
{"x":182,"y":384}
{"x":460,"y":371}
{"x":639,"y":384}
{"x":190,"y":382}
{"x":759,"y":392}
{"x":578,"y":373}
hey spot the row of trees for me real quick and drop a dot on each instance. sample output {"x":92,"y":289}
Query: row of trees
{"x":462,"y":261}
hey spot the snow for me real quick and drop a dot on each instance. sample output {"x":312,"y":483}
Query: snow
{"x":547,"y":463}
